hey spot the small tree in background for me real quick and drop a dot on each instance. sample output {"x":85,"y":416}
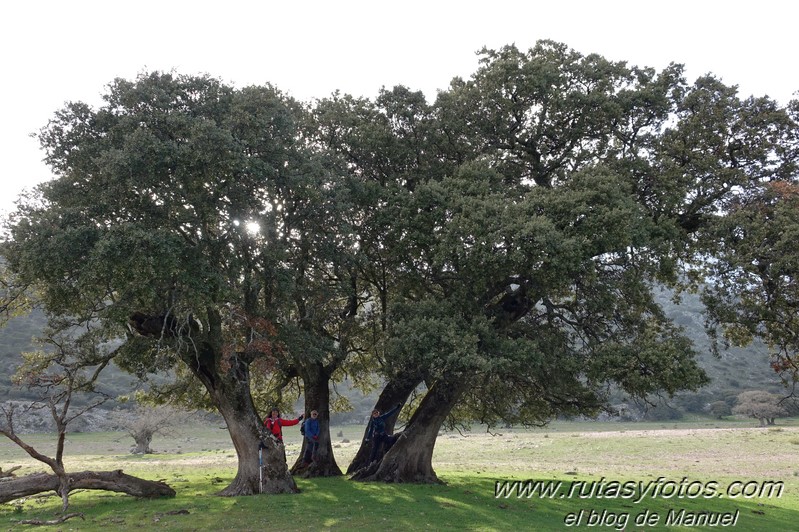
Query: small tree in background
{"x":144,"y":422}
{"x":718,"y":409}
{"x":760,"y":405}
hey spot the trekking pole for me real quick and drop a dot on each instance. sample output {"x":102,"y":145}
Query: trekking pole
{"x":260,"y":469}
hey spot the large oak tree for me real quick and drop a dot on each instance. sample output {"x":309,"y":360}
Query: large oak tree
{"x":523,"y":273}
{"x":171,"y":212}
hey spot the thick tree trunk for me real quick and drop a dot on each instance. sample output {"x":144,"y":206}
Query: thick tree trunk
{"x":89,"y":480}
{"x":317,"y":397}
{"x":411,"y":457}
{"x":227,"y":379}
{"x":396,"y":391}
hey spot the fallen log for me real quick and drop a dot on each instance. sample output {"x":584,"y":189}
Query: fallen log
{"x":116,"y":481}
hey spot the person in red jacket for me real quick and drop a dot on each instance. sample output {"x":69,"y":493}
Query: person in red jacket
{"x":274,"y":423}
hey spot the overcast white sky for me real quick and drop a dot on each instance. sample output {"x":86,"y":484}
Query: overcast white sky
{"x":55,"y":51}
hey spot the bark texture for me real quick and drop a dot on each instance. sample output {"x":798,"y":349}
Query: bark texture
{"x":396,"y":391}
{"x":411,"y":457}
{"x":230,"y":392}
{"x":317,"y":397}
{"x":226,"y":376}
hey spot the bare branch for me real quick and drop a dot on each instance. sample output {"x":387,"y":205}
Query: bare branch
{"x":52,"y":521}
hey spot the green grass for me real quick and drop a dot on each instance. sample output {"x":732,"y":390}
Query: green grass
{"x":201,"y":462}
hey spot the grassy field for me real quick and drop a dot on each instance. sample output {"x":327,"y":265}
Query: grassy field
{"x":680,"y":472}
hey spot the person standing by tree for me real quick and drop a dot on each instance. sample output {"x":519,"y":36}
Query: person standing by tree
{"x":311,"y":432}
{"x":274,"y":423}
{"x":377,"y":432}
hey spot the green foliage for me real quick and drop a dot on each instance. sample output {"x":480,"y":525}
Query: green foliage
{"x":15,"y":297}
{"x":755,"y":294}
{"x":649,"y":363}
{"x":719,"y":409}
{"x":150,"y":210}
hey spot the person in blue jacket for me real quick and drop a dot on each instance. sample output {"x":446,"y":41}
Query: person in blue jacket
{"x":311,"y":437}
{"x":377,"y":432}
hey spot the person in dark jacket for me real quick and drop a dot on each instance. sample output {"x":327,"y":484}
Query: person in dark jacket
{"x":311,"y":437}
{"x":377,"y":432}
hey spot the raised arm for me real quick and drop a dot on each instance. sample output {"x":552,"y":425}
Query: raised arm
{"x":391,"y":412}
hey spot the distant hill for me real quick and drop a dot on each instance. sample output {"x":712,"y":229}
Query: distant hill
{"x":18,"y":336}
{"x":15,"y":338}
{"x":736,"y":368}
{"x":734,"y":371}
